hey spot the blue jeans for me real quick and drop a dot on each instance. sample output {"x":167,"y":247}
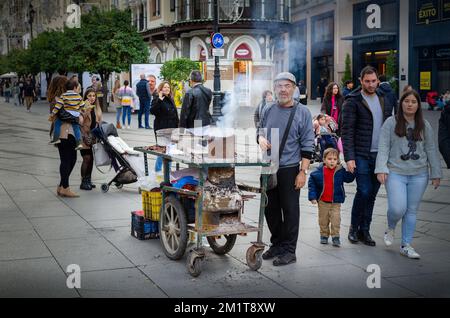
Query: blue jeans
{"x":367,"y":187}
{"x":404,"y":195}
{"x":118,"y":114}
{"x":144,"y":109}
{"x":126,"y":114}
{"x":57,"y":131}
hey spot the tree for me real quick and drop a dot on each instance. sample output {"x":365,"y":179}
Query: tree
{"x":391,"y":70}
{"x":106,"y":42}
{"x":21,"y":62}
{"x":178,"y":70}
{"x":348,"y":70}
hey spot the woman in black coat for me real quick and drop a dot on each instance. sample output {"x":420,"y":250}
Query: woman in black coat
{"x":166,"y":115}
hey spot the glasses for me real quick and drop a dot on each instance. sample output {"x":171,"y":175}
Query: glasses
{"x":412,"y":147}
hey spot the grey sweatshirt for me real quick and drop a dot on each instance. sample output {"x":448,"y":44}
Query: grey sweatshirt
{"x":392,"y":147}
{"x":300,"y":137}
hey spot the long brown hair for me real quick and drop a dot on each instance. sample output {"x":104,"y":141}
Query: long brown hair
{"x":419,"y":127}
{"x":329,"y":91}
{"x":57,"y":87}
{"x":98,"y":109}
{"x":160,"y":87}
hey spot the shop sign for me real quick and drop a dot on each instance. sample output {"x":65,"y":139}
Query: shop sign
{"x":425,"y":81}
{"x":428,"y":11}
{"x":243,"y":51}
{"x":442,"y":53}
{"x":374,"y":19}
{"x":445,"y":9}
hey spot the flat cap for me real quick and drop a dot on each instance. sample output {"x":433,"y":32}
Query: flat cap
{"x":285,"y":76}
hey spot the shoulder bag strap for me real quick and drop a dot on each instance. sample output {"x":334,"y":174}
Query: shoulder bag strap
{"x":288,"y":128}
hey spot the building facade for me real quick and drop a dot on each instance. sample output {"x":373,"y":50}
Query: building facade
{"x":255,"y":39}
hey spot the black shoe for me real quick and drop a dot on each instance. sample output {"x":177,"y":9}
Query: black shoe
{"x":353,"y":237}
{"x":336,"y":241}
{"x":360,"y":235}
{"x":148,"y":127}
{"x":272,"y":252}
{"x":93,"y":186}
{"x":85,"y":185}
{"x":367,"y":239}
{"x":324,"y":240}
{"x":285,"y":259}
{"x":141,"y":127}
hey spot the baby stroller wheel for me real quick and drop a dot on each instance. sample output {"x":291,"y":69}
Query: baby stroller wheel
{"x":105,"y":187}
{"x":119,"y":186}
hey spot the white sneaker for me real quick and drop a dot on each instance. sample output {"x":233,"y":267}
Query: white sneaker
{"x":389,"y":237}
{"x":409,"y":252}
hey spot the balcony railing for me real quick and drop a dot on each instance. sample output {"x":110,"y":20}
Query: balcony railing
{"x":263,"y":10}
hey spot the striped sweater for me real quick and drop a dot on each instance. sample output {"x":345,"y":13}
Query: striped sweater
{"x":71,"y":101}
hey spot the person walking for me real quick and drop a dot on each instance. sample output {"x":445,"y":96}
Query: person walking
{"x":28,"y":94}
{"x":363,"y":114}
{"x":348,"y":88}
{"x":303,"y":92}
{"x":7,"y":91}
{"x":386,"y":90}
{"x":444,"y":134}
{"x":321,"y":87}
{"x":326,"y":188}
{"x":407,"y":159}
{"x":294,"y":144}
{"x":67,"y":144}
{"x":15,"y":93}
{"x":117,"y":103}
{"x":332,"y":103}
{"x":92,"y":116}
{"x":126,"y":97}
{"x":196,"y":103}
{"x":267,"y":99}
{"x":145,"y":99}
{"x":165,"y":112}
{"x":21,"y":88}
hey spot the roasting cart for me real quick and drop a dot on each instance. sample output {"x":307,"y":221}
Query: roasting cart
{"x":220,"y":226}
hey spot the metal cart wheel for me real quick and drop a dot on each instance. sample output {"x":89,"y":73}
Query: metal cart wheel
{"x":195,"y":262}
{"x":105,"y":187}
{"x":219,"y":246}
{"x":119,"y":186}
{"x":173,"y":228}
{"x":254,"y":257}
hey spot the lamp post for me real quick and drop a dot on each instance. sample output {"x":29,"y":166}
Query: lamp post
{"x":31,"y":14}
{"x":217,"y":95}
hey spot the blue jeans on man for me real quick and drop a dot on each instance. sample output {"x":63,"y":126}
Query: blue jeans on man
{"x":144,"y":110}
{"x":367,"y":187}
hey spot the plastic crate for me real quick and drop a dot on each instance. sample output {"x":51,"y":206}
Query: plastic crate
{"x":151,"y":203}
{"x":143,"y":228}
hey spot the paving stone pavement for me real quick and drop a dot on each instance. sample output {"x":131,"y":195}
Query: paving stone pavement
{"x":41,"y":234}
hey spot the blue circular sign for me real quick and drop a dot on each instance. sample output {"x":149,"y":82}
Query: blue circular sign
{"x":217,"y":40}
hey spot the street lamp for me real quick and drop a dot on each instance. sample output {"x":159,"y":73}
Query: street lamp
{"x":31,"y":14}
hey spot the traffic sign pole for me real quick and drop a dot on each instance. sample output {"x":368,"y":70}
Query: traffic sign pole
{"x":217,"y":109}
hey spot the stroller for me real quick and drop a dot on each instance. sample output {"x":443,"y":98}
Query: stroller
{"x":119,"y":153}
{"x":324,"y":140}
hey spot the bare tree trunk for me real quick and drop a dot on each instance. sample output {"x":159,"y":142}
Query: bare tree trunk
{"x":104,"y":102}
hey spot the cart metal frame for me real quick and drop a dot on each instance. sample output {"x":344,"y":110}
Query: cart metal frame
{"x":197,"y":255}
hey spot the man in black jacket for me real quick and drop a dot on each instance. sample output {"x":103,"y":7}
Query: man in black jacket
{"x":145,"y":99}
{"x":385,"y":89}
{"x":444,"y":134}
{"x":196,"y":103}
{"x":364,"y":112}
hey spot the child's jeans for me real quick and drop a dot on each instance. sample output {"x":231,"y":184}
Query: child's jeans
{"x":329,"y":214}
{"x":126,"y":114}
{"x":57,"y":131}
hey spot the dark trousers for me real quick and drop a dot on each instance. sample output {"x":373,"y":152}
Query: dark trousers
{"x":367,"y":187}
{"x":68,"y":157}
{"x":144,"y":110}
{"x":283,"y":211}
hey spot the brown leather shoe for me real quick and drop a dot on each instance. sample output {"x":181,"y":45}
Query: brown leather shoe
{"x":118,"y":126}
{"x":68,"y":193}
{"x":58,"y":190}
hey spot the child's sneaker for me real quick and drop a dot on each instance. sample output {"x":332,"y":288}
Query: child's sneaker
{"x":336,"y":241}
{"x":323,"y":240}
{"x":389,"y":237}
{"x":408,"y":251}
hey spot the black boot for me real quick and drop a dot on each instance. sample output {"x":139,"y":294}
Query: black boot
{"x":367,"y":239}
{"x":353,"y":236}
{"x":93,"y":186}
{"x":85,"y":185}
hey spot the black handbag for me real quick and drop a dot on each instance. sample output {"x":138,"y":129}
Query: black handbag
{"x":272,"y":181}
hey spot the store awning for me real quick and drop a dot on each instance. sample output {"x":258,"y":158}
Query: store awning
{"x":9,"y":75}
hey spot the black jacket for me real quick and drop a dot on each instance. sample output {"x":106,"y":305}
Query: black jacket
{"x":166,"y":115}
{"x":196,"y":107}
{"x":357,"y":125}
{"x":444,"y":135}
{"x":143,"y":90}
{"x":385,"y":90}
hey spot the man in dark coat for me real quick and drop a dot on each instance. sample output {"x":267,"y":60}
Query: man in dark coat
{"x":444,"y":134}
{"x":196,"y":103}
{"x":364,"y":112}
{"x":145,"y":100}
{"x":385,"y":89}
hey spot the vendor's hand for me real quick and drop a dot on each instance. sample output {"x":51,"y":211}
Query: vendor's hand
{"x":314,"y":202}
{"x":436,"y":183}
{"x":264,"y":144}
{"x":382,"y":177}
{"x":300,"y":180}
{"x":351,"y":166}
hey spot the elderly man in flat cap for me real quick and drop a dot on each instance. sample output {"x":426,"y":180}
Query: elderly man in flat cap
{"x":292,"y":148}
